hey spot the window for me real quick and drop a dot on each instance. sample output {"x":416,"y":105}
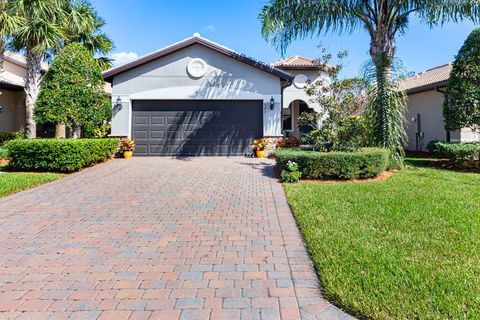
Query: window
{"x":287,"y":118}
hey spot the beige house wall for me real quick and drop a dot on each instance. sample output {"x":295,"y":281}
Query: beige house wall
{"x":429,"y":105}
{"x":13,"y":116}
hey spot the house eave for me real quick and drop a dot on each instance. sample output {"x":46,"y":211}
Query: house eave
{"x":428,"y":87}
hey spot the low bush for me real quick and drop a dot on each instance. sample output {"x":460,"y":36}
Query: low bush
{"x":59,"y":155}
{"x":455,"y":151}
{"x":3,"y":154}
{"x":360,"y":164}
{"x":7,"y":136}
{"x":288,"y":142}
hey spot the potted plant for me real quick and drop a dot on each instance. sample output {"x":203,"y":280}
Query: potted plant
{"x":259,"y":146}
{"x":127,"y":146}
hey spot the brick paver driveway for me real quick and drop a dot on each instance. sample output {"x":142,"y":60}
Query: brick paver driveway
{"x":157,"y":238}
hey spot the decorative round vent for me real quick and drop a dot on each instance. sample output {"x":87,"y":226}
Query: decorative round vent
{"x":300,"y":81}
{"x":197,"y":68}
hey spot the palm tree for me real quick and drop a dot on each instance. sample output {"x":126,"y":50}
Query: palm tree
{"x":84,"y":25}
{"x":39,"y":33}
{"x":286,"y":20}
{"x":9,"y":22}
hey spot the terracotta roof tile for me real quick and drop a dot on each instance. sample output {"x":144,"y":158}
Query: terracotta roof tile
{"x":296,"y":62}
{"x":427,"y":80}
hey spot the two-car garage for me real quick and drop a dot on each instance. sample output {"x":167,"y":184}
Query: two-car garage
{"x":196,"y":127}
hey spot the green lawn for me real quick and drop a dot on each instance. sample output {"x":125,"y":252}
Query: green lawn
{"x":404,"y":248}
{"x":12,"y":182}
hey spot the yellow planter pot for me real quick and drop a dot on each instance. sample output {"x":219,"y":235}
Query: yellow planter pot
{"x":127,"y":154}
{"x":260,"y":153}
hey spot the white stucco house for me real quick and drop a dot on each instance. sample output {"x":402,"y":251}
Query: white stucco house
{"x":425,"y":110}
{"x":197,"y":97}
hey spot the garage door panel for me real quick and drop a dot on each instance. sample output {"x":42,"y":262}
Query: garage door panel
{"x":192,"y":128}
{"x":138,"y":120}
{"x":137,"y":134}
{"x":154,"y":134}
{"x":157,"y":119}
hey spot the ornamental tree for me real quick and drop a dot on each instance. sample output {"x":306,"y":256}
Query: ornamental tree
{"x":461,"y":108}
{"x":72,"y":91}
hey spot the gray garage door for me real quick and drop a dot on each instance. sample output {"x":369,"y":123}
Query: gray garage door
{"x":194,"y":128}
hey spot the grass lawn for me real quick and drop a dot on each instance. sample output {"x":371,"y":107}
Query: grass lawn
{"x":404,"y":248}
{"x":12,"y":182}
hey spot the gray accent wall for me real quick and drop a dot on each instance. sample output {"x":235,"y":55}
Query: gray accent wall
{"x":167,"y":79}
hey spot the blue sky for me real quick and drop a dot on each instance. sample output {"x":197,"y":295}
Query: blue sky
{"x":142,"y":26}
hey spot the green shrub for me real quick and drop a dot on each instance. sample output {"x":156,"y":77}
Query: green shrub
{"x":3,"y":154}
{"x":59,"y":155}
{"x":364,"y":163}
{"x":455,"y":151}
{"x":7,"y":136}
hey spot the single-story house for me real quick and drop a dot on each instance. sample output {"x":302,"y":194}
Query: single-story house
{"x":197,"y":97}
{"x":425,"y":110}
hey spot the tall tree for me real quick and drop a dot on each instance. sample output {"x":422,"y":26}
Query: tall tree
{"x":72,"y":91}
{"x":40,"y":32}
{"x":84,"y":25}
{"x":462,"y":98}
{"x":286,"y":20}
{"x":9,"y":22}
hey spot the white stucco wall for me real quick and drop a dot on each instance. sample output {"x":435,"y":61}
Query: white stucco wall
{"x":167,"y":79}
{"x":293,"y":93}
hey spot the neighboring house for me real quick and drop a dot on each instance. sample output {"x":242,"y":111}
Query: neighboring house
{"x":425,"y":110}
{"x":197,"y":97}
{"x":12,"y":96}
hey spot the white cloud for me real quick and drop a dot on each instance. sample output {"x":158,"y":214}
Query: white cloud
{"x":209,"y":28}
{"x":121,"y":58}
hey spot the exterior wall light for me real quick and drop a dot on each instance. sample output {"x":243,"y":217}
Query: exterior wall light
{"x":272,"y":103}
{"x":117,"y":106}
{"x":2,"y":109}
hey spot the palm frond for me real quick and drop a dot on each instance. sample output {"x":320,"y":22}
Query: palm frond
{"x":286,"y":20}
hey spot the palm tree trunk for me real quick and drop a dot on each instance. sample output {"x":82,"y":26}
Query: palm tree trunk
{"x":60,"y":130}
{"x":383,"y":64}
{"x":2,"y":58}
{"x":32,"y":87}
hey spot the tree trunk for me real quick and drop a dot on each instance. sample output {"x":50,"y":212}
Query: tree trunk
{"x":381,"y":132}
{"x":76,"y":132}
{"x":2,"y":58}
{"x":32,"y":87}
{"x":60,"y":130}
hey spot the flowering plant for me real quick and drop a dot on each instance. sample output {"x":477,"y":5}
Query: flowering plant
{"x":259,"y":144}
{"x":291,"y":174}
{"x":127,"y":145}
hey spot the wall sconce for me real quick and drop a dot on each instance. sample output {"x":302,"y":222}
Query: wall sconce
{"x":2,"y":109}
{"x":272,"y":103}
{"x":117,"y":106}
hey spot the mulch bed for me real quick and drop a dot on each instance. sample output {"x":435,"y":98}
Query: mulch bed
{"x":468,"y":166}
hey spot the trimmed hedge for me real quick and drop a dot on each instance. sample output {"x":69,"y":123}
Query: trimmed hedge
{"x":455,"y":151}
{"x":59,"y":155}
{"x":361,"y":164}
{"x":7,"y":136}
